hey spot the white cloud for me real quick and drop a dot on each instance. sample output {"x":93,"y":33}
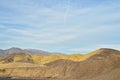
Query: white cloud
{"x":43,"y":36}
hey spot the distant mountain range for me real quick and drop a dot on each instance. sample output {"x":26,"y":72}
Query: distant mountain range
{"x":28,"y":51}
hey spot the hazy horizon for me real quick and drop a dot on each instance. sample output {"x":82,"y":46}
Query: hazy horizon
{"x":67,"y":26}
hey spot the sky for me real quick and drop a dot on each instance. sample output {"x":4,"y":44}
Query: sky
{"x":66,"y":26}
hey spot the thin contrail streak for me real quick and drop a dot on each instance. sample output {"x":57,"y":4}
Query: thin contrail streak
{"x":66,"y":12}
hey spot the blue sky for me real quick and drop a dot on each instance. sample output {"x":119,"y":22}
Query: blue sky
{"x":68,"y":26}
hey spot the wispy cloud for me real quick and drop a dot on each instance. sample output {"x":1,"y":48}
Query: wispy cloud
{"x":67,"y":24}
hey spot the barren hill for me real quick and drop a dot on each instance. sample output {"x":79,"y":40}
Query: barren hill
{"x":103,"y":62}
{"x":103,"y":65}
{"x":39,"y":56}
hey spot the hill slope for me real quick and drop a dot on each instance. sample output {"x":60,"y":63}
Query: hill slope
{"x":105,"y":61}
{"x":21,"y":57}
